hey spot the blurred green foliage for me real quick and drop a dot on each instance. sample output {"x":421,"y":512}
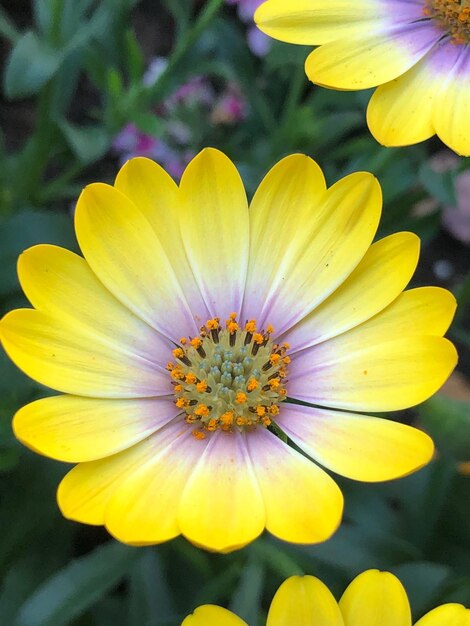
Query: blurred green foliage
{"x":78,"y":68}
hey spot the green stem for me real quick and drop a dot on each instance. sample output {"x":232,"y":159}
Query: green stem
{"x":275,"y":558}
{"x":154,"y":94}
{"x":463,"y":295}
{"x":294,"y":95}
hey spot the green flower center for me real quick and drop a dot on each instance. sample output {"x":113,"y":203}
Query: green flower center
{"x":452,"y":16}
{"x":229,"y":378}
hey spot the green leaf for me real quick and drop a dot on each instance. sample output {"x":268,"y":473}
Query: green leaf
{"x":448,"y":422}
{"x":440,"y":185}
{"x":27,"y":228}
{"x":88,"y":143}
{"x":246,"y":600}
{"x":78,"y":586}
{"x":31,"y":64}
{"x":150,"y":597}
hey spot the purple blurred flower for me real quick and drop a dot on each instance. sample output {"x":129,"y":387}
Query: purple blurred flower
{"x":258,"y":42}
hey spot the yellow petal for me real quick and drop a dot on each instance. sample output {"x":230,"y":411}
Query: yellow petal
{"x":57,"y":354}
{"x":156,"y":195}
{"x":304,"y":242}
{"x":123,"y":251}
{"x":367,"y":60}
{"x":394,"y":360}
{"x":314,"y":23}
{"x":85,"y":491}
{"x":304,"y":601}
{"x":210,"y":615}
{"x":379,"y":278}
{"x":221,"y":508}
{"x":143,"y":508}
{"x":312,"y":511}
{"x":400,"y":112}
{"x":75,"y":429}
{"x":388,"y":376}
{"x":359,"y":447}
{"x":61,"y":283}
{"x":452,"y":108}
{"x":448,"y":615}
{"x":375,"y":599}
{"x":215,"y":229}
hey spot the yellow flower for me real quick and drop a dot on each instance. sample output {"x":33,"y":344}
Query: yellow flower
{"x":372,"y":599}
{"x":163,"y":443}
{"x":416,"y":51}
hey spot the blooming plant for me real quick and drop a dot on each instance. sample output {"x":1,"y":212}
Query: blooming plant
{"x":372,"y":599}
{"x":417,"y":52}
{"x":196,"y":330}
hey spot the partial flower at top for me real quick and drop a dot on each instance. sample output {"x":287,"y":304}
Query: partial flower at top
{"x":195,"y":330}
{"x":258,"y":42}
{"x":416,"y":51}
{"x":372,"y":599}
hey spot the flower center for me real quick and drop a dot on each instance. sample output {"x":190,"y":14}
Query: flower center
{"x":229,"y":378}
{"x":451,"y":15}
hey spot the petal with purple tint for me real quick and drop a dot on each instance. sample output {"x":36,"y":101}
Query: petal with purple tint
{"x":303,"y":504}
{"x":123,"y":250}
{"x":379,"y":278}
{"x":215,"y":230}
{"x":451,"y":113}
{"x":221,"y":507}
{"x":305,"y":241}
{"x":76,"y":430}
{"x":371,"y":59}
{"x":401,"y":112}
{"x":359,"y":447}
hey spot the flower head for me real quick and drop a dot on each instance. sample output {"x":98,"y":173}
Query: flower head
{"x":191,"y":329}
{"x":417,"y":52}
{"x":372,"y":599}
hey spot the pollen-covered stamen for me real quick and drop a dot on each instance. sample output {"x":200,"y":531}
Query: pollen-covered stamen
{"x":229,"y":378}
{"x":451,"y":15}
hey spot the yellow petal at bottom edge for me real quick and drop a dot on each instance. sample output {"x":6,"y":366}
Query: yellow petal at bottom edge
{"x":304,"y":601}
{"x":375,"y":599}
{"x":448,"y":615}
{"x":221,"y":507}
{"x":210,"y":615}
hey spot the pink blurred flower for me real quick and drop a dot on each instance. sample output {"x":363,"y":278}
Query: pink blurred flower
{"x":231,"y":108}
{"x":258,"y":42}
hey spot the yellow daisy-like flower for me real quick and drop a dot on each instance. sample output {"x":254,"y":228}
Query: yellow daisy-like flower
{"x":416,"y":51}
{"x":182,"y":335}
{"x":372,"y":599}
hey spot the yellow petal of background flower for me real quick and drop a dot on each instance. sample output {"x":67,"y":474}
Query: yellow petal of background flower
{"x":221,"y":508}
{"x":75,"y":429}
{"x":359,"y":447}
{"x":308,"y":513}
{"x":375,"y":599}
{"x":143,"y":508}
{"x":388,"y":376}
{"x":452,"y":108}
{"x":210,"y":615}
{"x":304,"y":601}
{"x":156,"y":195}
{"x":307,"y":22}
{"x":123,"y":251}
{"x":305,"y":242}
{"x":61,"y":283}
{"x":367,"y":60}
{"x":57,"y":354}
{"x":215,"y":229}
{"x":400,"y":112}
{"x":379,"y":278}
{"x":446,"y":615}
